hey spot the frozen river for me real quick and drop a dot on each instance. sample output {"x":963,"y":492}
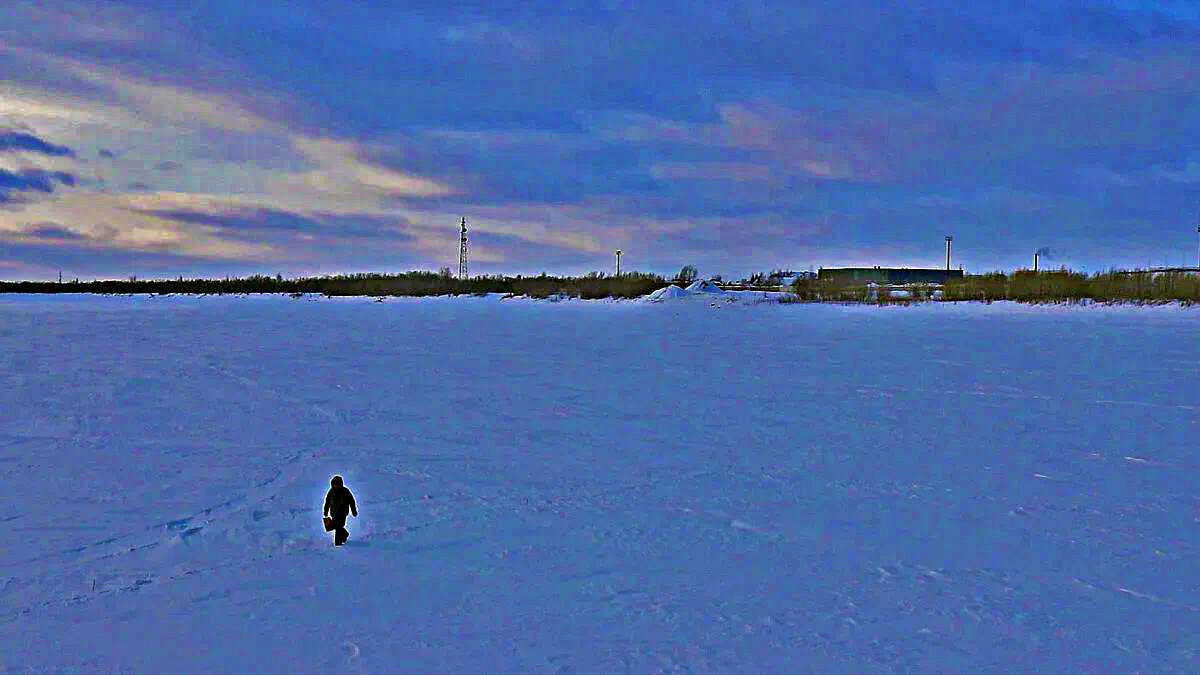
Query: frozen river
{"x":597,"y":487}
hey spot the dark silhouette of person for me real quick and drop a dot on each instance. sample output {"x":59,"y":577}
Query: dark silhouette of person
{"x":339,"y":502}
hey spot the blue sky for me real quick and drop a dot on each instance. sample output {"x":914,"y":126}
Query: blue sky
{"x":165,"y":138}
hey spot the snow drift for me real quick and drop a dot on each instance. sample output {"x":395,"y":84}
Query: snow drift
{"x":671,"y":292}
{"x":705,"y":286}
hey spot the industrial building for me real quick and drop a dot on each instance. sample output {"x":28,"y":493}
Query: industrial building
{"x":887,"y":275}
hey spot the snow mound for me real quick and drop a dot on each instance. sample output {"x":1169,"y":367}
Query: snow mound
{"x":704,"y":286}
{"x":669,"y":293}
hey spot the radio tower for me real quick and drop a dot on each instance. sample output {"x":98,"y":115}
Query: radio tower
{"x":462,"y":250}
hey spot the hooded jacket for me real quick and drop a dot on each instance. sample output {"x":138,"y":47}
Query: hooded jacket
{"x":339,"y":501}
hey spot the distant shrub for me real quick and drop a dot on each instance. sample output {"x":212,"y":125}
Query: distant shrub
{"x":809,"y":290}
{"x":1063,"y":285}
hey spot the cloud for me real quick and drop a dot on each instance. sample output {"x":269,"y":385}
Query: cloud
{"x":107,"y":221}
{"x":1175,"y":11}
{"x":63,"y":109}
{"x":44,"y":258}
{"x":256,"y":219}
{"x":72,"y":22}
{"x":342,"y":170}
{"x":52,"y":231}
{"x":514,"y":250}
{"x":11,"y":140}
{"x":741,"y":172}
{"x":252,"y":222}
{"x":1188,"y":174}
{"x":30,"y":180}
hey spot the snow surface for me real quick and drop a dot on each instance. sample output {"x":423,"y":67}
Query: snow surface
{"x":597,"y":487}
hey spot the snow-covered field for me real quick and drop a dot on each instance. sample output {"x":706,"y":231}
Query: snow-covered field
{"x":597,"y":486}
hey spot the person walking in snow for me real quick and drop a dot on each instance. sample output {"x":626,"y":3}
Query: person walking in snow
{"x":339,"y":502}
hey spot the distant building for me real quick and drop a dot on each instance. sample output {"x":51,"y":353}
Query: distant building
{"x":887,"y":275}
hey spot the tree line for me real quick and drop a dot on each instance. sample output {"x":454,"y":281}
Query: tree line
{"x":416,"y":283}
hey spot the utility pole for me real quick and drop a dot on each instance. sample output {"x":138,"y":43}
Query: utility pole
{"x":948,"y":240}
{"x":1035,"y":257}
{"x":618,"y":262}
{"x":462,"y":250}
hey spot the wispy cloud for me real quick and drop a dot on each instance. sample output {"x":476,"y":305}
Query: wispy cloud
{"x":11,"y":140}
{"x":12,"y":184}
{"x":330,"y":187}
{"x":51,"y":231}
{"x":1187,"y":174}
